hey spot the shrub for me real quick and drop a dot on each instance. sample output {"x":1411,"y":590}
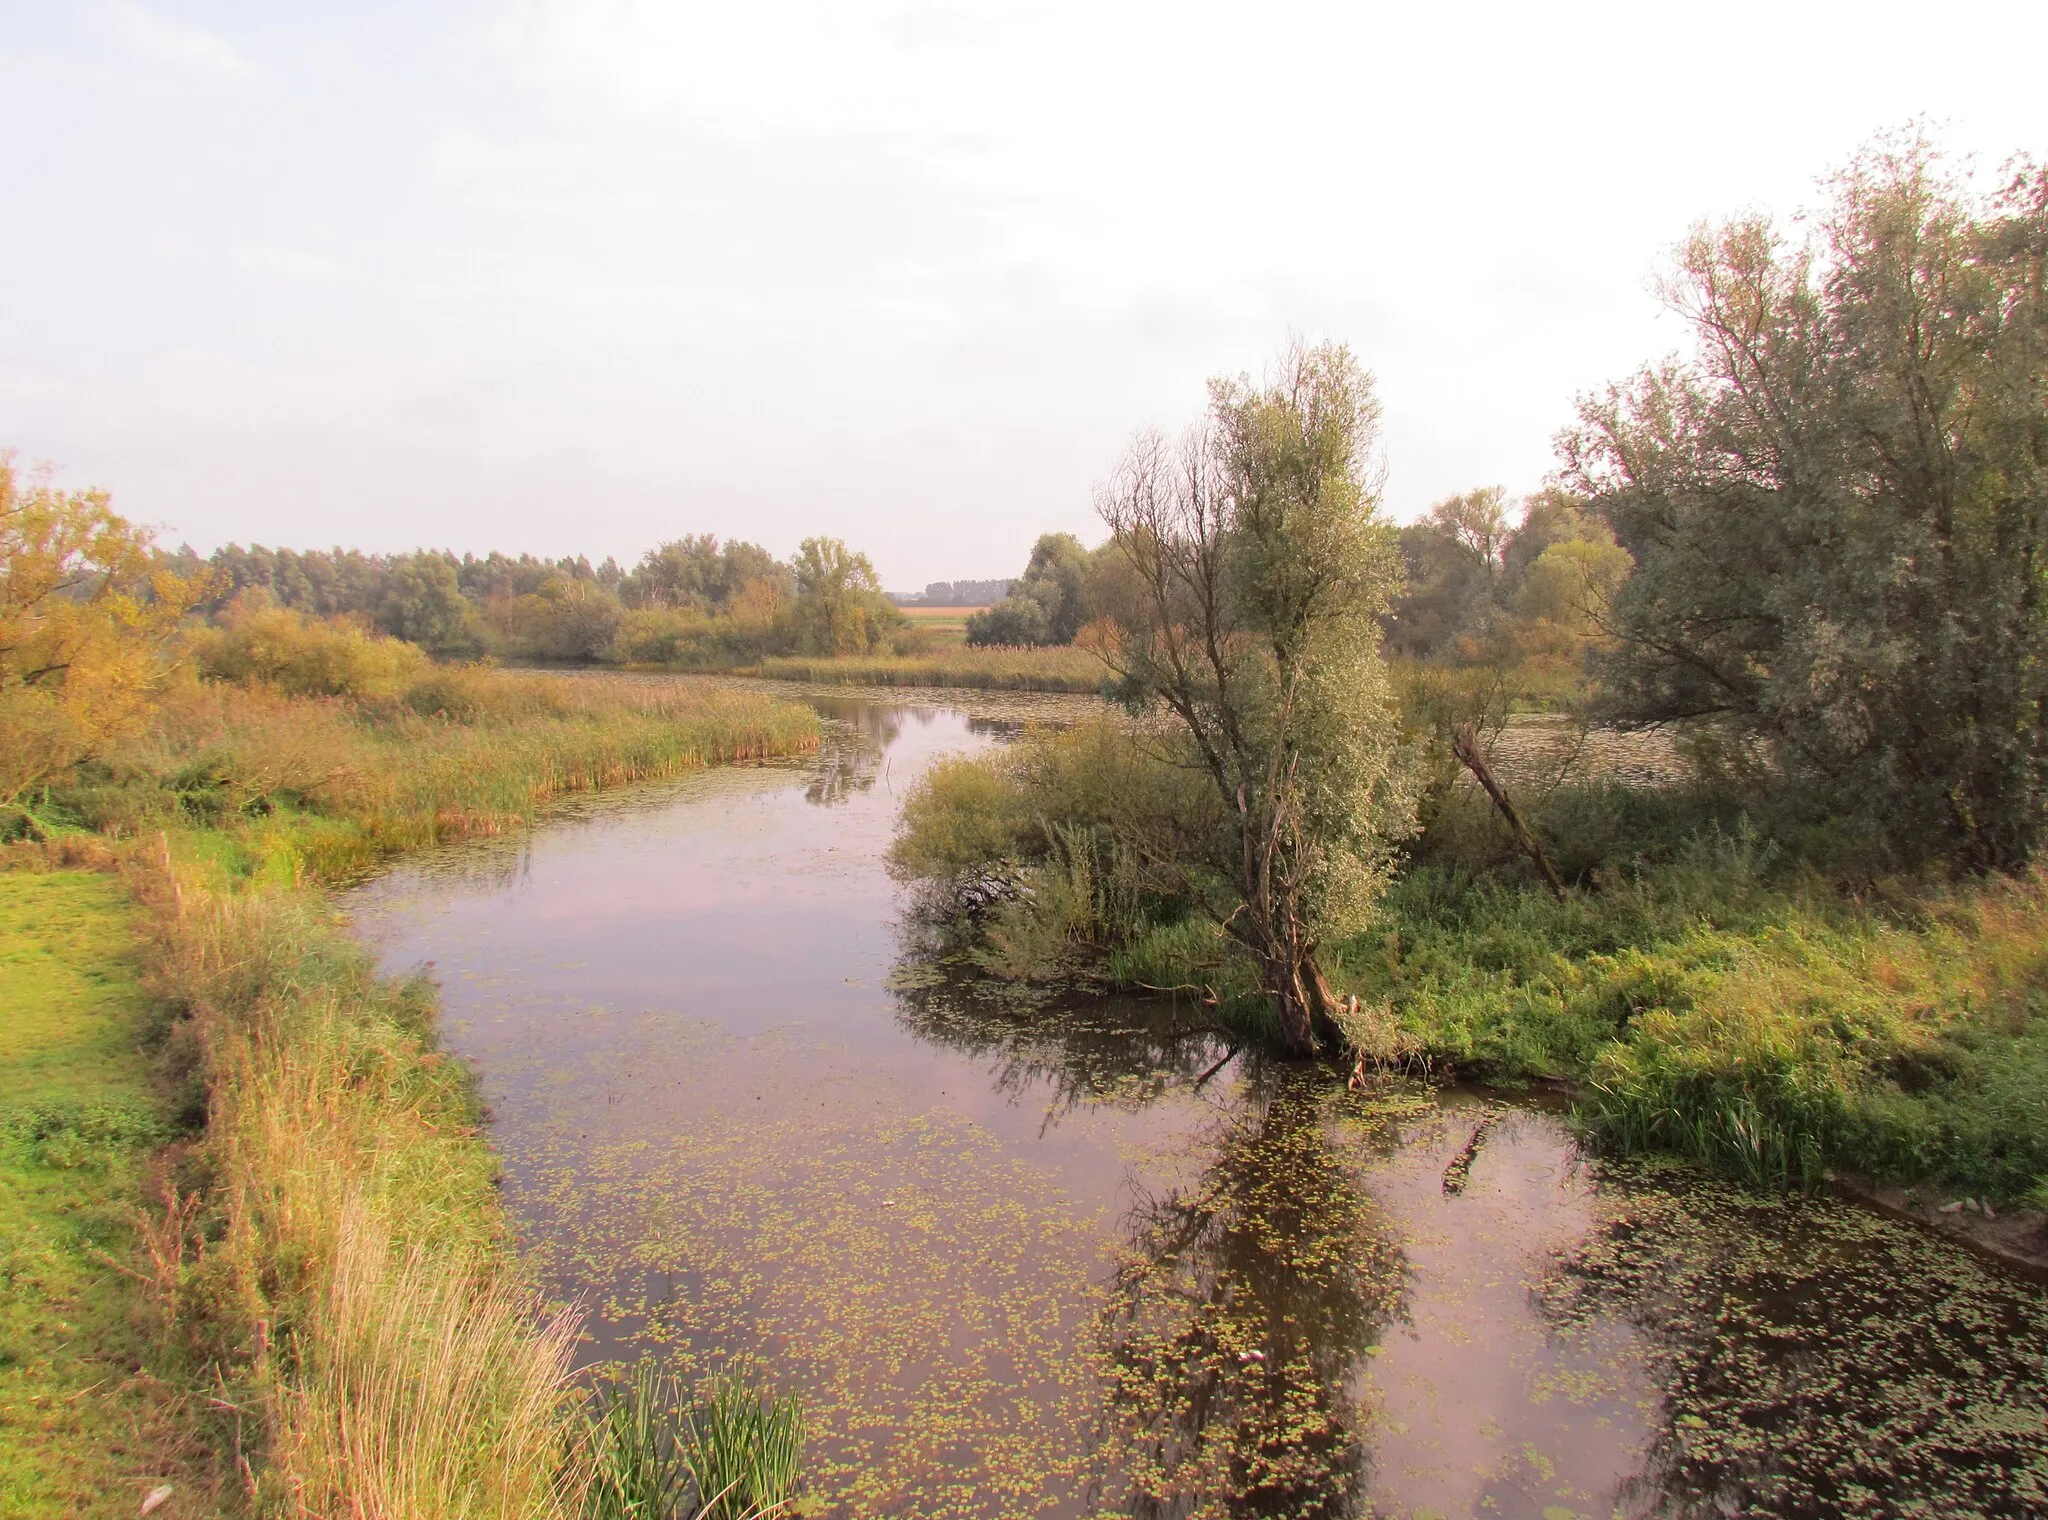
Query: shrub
{"x":332,"y":657}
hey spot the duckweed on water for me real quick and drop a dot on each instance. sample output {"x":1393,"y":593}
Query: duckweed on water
{"x":1818,"y":1360}
{"x":925,"y":1291}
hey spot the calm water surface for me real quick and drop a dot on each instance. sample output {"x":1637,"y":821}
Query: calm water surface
{"x":1083,"y":1259}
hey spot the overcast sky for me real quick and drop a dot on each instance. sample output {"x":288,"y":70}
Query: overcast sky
{"x":569,"y":276}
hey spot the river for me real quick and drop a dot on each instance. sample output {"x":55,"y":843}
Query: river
{"x":1036,"y":1256}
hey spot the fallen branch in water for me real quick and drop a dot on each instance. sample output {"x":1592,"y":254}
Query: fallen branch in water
{"x":1228,"y":1056}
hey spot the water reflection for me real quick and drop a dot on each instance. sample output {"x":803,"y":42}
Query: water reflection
{"x":1243,"y":1309}
{"x":850,"y":750}
{"x":1061,"y":1053}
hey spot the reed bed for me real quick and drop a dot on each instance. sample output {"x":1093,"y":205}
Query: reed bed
{"x":1051,"y":669}
{"x":330,"y":784}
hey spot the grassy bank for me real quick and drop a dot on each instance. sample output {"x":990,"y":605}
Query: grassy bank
{"x":1051,"y":669}
{"x":1707,"y":987}
{"x":1760,"y":1020}
{"x":82,"y":1432}
{"x":323,"y":1259}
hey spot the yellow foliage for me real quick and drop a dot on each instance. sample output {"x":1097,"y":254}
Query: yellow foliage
{"x":305,"y":656}
{"x":84,"y":612}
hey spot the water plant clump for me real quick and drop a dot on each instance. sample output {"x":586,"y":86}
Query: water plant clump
{"x":733,"y":1451}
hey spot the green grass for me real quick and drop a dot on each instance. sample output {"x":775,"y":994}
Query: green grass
{"x":1744,"y":1013}
{"x":1053,"y":669}
{"x":79,"y":1433}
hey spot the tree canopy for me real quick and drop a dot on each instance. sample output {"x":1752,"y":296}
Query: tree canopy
{"x":85,"y":606}
{"x":1047,"y":604}
{"x":840,"y":607}
{"x":1836,"y":505}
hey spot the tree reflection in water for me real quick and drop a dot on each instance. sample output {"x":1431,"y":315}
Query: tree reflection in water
{"x":856,"y":737}
{"x":1079,"y":1052}
{"x":1240,"y":1315}
{"x":1240,"y":1320}
{"x":850,"y":749}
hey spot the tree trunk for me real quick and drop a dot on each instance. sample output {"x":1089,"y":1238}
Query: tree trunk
{"x":1465,"y":745}
{"x":1303,"y":1004}
{"x":1291,"y":1009}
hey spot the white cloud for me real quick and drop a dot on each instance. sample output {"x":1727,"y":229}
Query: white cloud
{"x":174,"y":42}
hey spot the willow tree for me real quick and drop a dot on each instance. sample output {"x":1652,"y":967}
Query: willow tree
{"x":1838,"y":507}
{"x":1254,"y":569}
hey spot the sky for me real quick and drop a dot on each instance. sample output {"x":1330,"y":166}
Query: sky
{"x":577,"y":276}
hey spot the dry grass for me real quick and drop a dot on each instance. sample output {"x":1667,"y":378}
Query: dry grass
{"x":946,"y":627}
{"x":341,"y":1279}
{"x":424,"y":1390}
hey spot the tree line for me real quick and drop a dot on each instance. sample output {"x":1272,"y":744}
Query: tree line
{"x":692,"y":600}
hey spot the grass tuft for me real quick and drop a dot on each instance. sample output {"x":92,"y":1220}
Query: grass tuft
{"x":734,"y":1452}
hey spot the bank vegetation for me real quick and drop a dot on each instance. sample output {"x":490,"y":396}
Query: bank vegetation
{"x":1808,"y":563}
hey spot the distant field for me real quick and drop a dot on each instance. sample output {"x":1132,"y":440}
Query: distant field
{"x":949,"y":624}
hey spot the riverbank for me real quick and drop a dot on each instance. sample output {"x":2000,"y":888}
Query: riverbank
{"x":1704,"y":990}
{"x":1753,"y":1018}
{"x":317,"y":1283}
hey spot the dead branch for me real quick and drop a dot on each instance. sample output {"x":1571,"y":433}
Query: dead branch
{"x":1465,"y":745}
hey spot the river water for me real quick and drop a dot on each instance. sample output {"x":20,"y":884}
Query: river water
{"x":1032,"y":1256}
